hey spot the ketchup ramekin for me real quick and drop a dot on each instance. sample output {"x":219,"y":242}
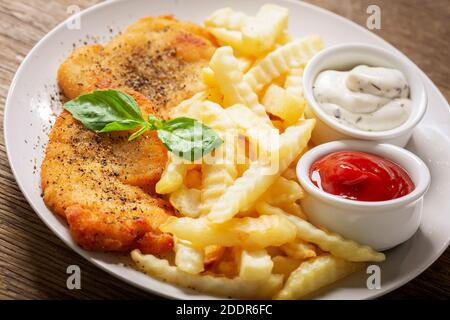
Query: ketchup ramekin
{"x":381,"y":224}
{"x":345,"y":57}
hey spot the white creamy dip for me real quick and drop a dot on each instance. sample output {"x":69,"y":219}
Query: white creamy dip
{"x":366,"y":98}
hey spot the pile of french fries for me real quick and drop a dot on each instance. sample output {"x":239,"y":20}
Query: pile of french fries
{"x":241,"y":231}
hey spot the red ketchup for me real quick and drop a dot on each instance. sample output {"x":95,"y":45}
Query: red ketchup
{"x":360,"y":176}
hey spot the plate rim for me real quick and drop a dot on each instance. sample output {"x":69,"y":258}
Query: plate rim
{"x":87,"y":255}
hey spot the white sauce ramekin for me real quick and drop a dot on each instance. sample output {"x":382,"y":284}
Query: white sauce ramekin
{"x":381,"y":224}
{"x":344,"y":58}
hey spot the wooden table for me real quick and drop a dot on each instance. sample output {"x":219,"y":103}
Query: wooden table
{"x":33,"y":260}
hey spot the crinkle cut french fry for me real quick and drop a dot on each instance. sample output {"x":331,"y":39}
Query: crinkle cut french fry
{"x":314,"y":274}
{"x":214,"y":116}
{"x":182,"y":108}
{"x":193,"y":179}
{"x":221,"y":286}
{"x":284,"y":38}
{"x":285,"y":265}
{"x":252,"y":36}
{"x":294,"y":81}
{"x":214,"y":94}
{"x":248,"y":233}
{"x":228,"y":264}
{"x":299,"y":249}
{"x":227,"y":18}
{"x":208,"y":77}
{"x":244,"y":118}
{"x":232,"y":38}
{"x":173,"y":175}
{"x":230,"y":78}
{"x":261,"y":34}
{"x":218,"y":169}
{"x":262,"y":135}
{"x":216,"y":179}
{"x":188,"y":258}
{"x":258,"y":178}
{"x":226,"y":70}
{"x":186,"y":201}
{"x":242,"y":193}
{"x":330,"y":242}
{"x":290,"y":174}
{"x":283,"y":104}
{"x":210,"y":114}
{"x":283,"y":191}
{"x":281,"y":60}
{"x":293,"y":208}
{"x":255,"y":265}
{"x":213,"y":254}
{"x":244,"y":63}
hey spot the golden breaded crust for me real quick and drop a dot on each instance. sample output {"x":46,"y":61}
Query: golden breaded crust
{"x":159,"y":57}
{"x":103,"y":185}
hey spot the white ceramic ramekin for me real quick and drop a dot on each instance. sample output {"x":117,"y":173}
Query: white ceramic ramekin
{"x":345,"y":57}
{"x":381,"y":224}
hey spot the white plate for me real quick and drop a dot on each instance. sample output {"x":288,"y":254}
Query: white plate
{"x":29,"y":108}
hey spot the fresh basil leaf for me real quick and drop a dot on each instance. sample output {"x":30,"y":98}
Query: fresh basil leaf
{"x":154,"y":122}
{"x":106,"y":111}
{"x":138,"y":133}
{"x":113,"y":110}
{"x":120,"y":126}
{"x":188,"y":138}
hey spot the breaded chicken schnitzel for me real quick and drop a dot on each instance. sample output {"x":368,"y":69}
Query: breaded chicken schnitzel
{"x":158,"y":56}
{"x":101,"y":183}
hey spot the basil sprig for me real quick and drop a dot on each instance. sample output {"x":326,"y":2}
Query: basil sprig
{"x":114,"y":110}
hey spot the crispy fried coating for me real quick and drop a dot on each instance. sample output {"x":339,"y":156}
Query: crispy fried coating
{"x":159,"y":57}
{"x":103,"y":185}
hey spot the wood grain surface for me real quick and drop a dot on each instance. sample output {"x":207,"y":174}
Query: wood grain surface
{"x":33,"y":260}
